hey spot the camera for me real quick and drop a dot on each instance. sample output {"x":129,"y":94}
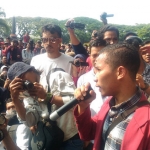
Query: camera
{"x":78,"y":63}
{"x":27,"y":85}
{"x":104,"y":15}
{"x":79,"y":26}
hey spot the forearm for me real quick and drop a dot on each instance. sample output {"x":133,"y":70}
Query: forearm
{"x":57,"y":100}
{"x":8,"y":143}
{"x":20,"y":109}
{"x":73,"y":38}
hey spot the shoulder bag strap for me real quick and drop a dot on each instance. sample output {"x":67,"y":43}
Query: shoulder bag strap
{"x":124,"y":115}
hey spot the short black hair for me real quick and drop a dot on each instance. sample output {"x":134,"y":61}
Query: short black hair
{"x":106,"y":28}
{"x":15,"y":41}
{"x":123,"y":54}
{"x":147,"y":42}
{"x":129,"y":34}
{"x":96,"y":43}
{"x":52,"y":28}
{"x":8,"y":100}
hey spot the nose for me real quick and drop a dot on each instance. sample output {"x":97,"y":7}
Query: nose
{"x":111,"y":41}
{"x":49,"y":42}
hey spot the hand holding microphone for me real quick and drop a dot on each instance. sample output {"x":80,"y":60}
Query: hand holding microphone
{"x":83,"y":96}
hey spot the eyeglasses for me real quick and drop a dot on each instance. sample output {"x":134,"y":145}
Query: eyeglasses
{"x":51,"y":39}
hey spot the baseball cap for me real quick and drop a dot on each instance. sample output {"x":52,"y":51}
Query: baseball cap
{"x":3,"y":67}
{"x":17,"y":69}
{"x":81,"y":56}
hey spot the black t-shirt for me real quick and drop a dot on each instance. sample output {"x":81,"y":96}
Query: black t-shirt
{"x":79,"y":49}
{"x":4,"y":95}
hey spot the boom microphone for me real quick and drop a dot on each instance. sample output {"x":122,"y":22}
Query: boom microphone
{"x":63,"y":109}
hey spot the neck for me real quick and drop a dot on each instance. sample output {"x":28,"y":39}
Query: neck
{"x":53,"y":55}
{"x":125,"y":93}
{"x":94,"y":69}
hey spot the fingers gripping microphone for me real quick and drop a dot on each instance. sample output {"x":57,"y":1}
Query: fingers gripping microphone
{"x":63,"y":109}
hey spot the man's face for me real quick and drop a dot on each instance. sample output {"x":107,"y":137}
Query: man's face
{"x":146,"y":57}
{"x":51,"y":42}
{"x":15,"y":44}
{"x":4,"y":60}
{"x":110,"y":37}
{"x":10,"y":105}
{"x":94,"y":53}
{"x":106,"y":78}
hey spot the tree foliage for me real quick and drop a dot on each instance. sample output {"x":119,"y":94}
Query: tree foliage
{"x":34,"y":25}
{"x":4,"y":28}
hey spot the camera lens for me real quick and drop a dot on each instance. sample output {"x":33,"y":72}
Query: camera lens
{"x":28,"y":85}
{"x":77,"y":63}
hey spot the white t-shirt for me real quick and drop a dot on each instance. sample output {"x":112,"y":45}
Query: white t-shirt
{"x":99,"y":100}
{"x":44,"y":64}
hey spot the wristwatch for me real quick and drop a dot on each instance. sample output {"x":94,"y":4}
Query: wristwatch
{"x":48,"y":97}
{"x":146,"y":86}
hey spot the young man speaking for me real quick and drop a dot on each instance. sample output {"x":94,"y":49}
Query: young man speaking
{"x":117,"y":66}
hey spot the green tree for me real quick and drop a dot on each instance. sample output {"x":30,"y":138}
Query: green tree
{"x":5,"y":30}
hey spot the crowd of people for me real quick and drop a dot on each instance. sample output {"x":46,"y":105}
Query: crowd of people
{"x":37,"y":78}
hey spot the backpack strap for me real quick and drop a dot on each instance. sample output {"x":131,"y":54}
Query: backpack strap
{"x":124,"y":115}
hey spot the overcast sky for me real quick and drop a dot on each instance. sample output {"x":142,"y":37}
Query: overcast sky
{"x":127,"y":12}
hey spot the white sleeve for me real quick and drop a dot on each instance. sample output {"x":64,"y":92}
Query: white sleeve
{"x":33,"y":111}
{"x":80,"y":81}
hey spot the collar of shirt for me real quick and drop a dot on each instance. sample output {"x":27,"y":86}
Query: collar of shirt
{"x":117,"y":109}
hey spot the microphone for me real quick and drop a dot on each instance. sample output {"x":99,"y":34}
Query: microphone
{"x":63,"y":109}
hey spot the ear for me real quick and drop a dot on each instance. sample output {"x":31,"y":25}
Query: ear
{"x":121,"y":72}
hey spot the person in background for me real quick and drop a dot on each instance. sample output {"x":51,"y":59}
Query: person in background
{"x":26,"y":38}
{"x":95,"y":47}
{"x":11,"y":113}
{"x":8,"y":40}
{"x":76,"y":44}
{"x":27,"y":54}
{"x":20,"y":45}
{"x":129,"y":34}
{"x":79,"y":67}
{"x":110,"y":34}
{"x":38,"y":47}
{"x":146,"y":52}
{"x":69,"y":51}
{"x":4,"y":51}
{"x":13,"y":53}
{"x":7,"y":142}
{"x":4,"y":61}
{"x":62,"y":48}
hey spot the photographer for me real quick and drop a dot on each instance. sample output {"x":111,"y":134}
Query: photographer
{"x":76,"y":44}
{"x":18,"y":73}
{"x":7,"y":141}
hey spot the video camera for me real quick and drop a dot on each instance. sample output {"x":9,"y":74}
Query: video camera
{"x":78,"y":63}
{"x":73,"y":25}
{"x":104,"y":15}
